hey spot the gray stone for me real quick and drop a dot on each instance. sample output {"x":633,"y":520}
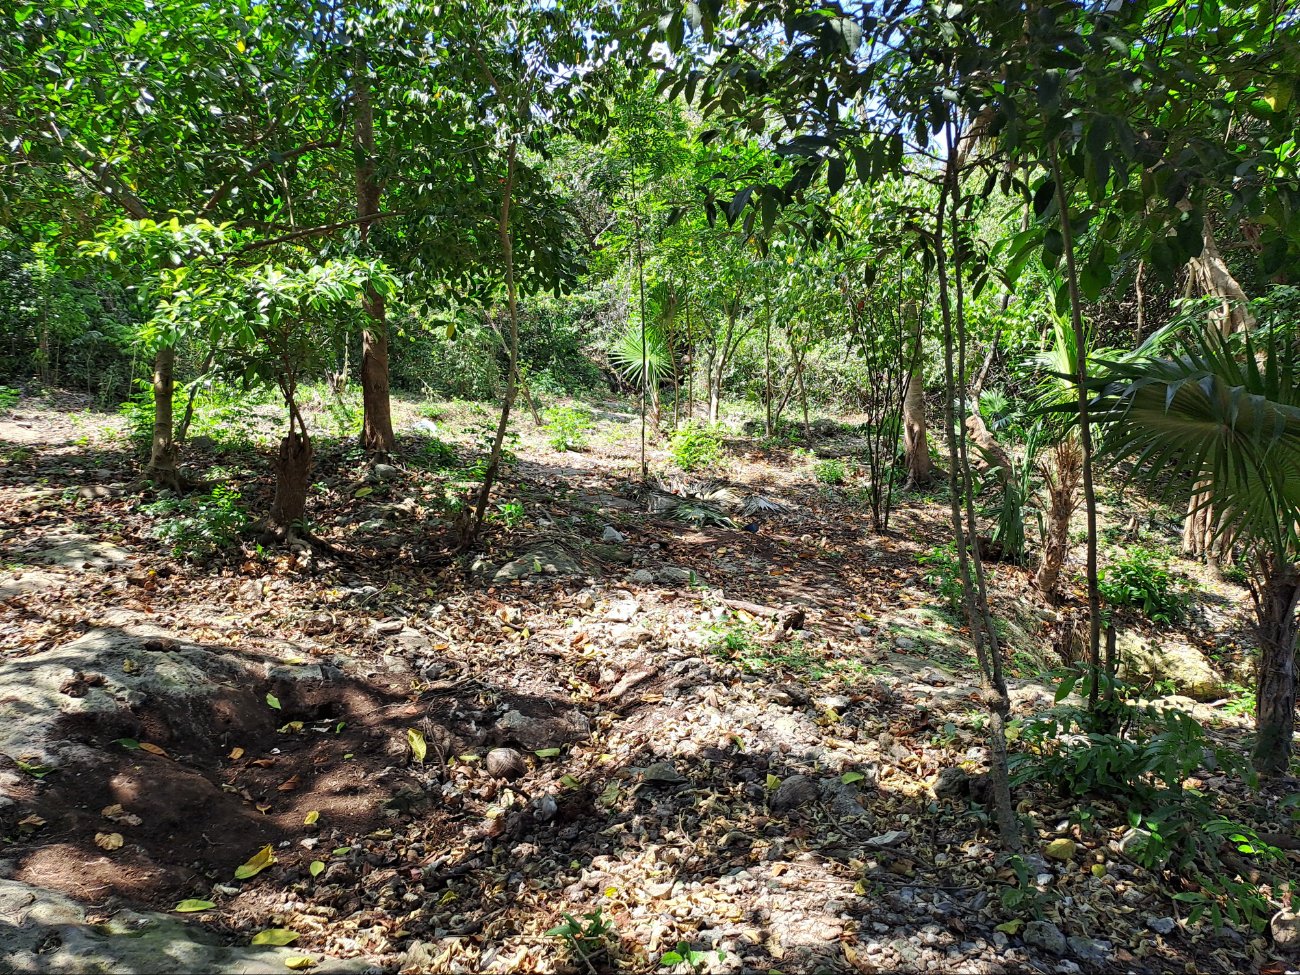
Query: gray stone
{"x":890,"y":839}
{"x":643,"y":577}
{"x":1168,"y":657}
{"x":386,"y":472}
{"x":78,"y":552}
{"x":1162,"y":925}
{"x":122,"y":666}
{"x":1133,"y":840}
{"x":543,"y":732}
{"x":672,"y":575}
{"x":793,"y":792}
{"x":612,"y":535}
{"x":47,"y":932}
{"x":545,"y":559}
{"x":1285,"y":927}
{"x":1089,"y":949}
{"x":1042,"y":934}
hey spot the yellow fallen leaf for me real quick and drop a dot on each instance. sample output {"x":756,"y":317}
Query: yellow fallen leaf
{"x":192,"y":905}
{"x":1062,"y":848}
{"x":418,"y":746}
{"x":299,"y":962}
{"x":311,"y":817}
{"x":259,"y":861}
{"x":1010,"y":927}
{"x":236,"y":753}
{"x":275,"y":936}
{"x":153,"y":749}
{"x":109,"y":841}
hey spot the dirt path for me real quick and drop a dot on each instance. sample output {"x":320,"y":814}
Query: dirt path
{"x":595,"y":716}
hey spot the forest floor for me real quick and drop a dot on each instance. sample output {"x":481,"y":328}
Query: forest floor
{"x":764,"y":741}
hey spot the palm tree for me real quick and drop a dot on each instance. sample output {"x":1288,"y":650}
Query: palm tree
{"x":1226,"y":411}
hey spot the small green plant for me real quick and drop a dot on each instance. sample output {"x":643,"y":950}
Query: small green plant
{"x":1141,"y":578}
{"x":8,"y":397}
{"x":588,"y":939}
{"x":196,"y":527}
{"x":511,"y":513}
{"x":435,"y":454}
{"x":684,"y":954}
{"x":695,"y":446}
{"x":568,"y":427}
{"x":830,"y":471}
{"x":1243,"y":700}
{"x":943,"y":574}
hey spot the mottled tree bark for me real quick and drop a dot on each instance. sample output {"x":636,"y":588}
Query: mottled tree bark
{"x":1275,"y":692}
{"x":162,"y":452}
{"x":1063,"y":479}
{"x":377,"y":417}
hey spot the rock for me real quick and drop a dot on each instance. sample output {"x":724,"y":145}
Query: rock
{"x":904,"y":643}
{"x":1062,"y":849}
{"x":77,"y":552}
{"x":545,"y":809}
{"x":1285,"y":927}
{"x":426,"y":427}
{"x":662,"y":773}
{"x":88,"y":492}
{"x":1089,"y":949}
{"x":386,"y":472}
{"x":953,"y":783}
{"x":545,"y":559}
{"x":622,"y":610}
{"x":612,"y":535}
{"x":793,"y":792}
{"x":1042,"y":934}
{"x":584,"y":600}
{"x":47,"y":932}
{"x":505,"y":763}
{"x":643,"y":577}
{"x":838,"y":703}
{"x":544,"y":732}
{"x":673,"y":575}
{"x":119,"y":674}
{"x":890,"y":839}
{"x":1162,"y":925}
{"x":1133,"y":840}
{"x":1168,"y":657}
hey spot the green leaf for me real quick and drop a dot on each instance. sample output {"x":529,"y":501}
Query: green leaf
{"x":275,"y":936}
{"x":128,"y":743}
{"x":848,"y":778}
{"x":547,"y":752}
{"x":259,"y":861}
{"x":316,"y":868}
{"x":273,"y":701}
{"x":192,"y":905}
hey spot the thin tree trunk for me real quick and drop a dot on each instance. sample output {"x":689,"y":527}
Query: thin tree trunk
{"x":162,"y":451}
{"x":975,"y":598}
{"x":508,"y":259}
{"x":1062,"y":480}
{"x":292,"y":476}
{"x":767,"y":374}
{"x":1209,"y":273}
{"x":1085,"y":432}
{"x":1276,"y":689}
{"x":377,"y":418}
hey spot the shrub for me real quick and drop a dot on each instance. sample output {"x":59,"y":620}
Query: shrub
{"x":943,"y":574}
{"x":830,"y":471}
{"x":695,"y":445}
{"x":568,"y":427}
{"x":8,"y":397}
{"x":1143,"y":767}
{"x":197,"y":527}
{"x":1141,"y":578}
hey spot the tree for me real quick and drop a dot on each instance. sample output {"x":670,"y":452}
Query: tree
{"x":1225,"y":413}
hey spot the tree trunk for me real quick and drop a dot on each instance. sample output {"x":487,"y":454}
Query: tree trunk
{"x":512,"y":374}
{"x":1275,"y":692}
{"x":1210,"y":275}
{"x":994,"y":455}
{"x":1062,"y":480}
{"x":377,"y":423}
{"x":292,"y":477}
{"x":162,"y":452}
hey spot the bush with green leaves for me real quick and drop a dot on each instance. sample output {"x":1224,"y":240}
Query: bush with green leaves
{"x":197,"y":526}
{"x":590,"y":939}
{"x":1140,"y":757}
{"x":696,"y":446}
{"x":943,"y":574}
{"x":1140,"y":578}
{"x":567,"y":427}
{"x":830,"y":471}
{"x":8,"y":397}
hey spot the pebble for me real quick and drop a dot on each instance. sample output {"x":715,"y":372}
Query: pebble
{"x":1161,"y":925}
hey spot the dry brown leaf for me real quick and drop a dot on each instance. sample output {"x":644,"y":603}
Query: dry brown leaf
{"x":109,"y":841}
{"x":153,"y":749}
{"x":289,"y":784}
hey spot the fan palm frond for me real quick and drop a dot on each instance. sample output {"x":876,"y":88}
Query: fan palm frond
{"x":1225,"y":413}
{"x":626,"y":354}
